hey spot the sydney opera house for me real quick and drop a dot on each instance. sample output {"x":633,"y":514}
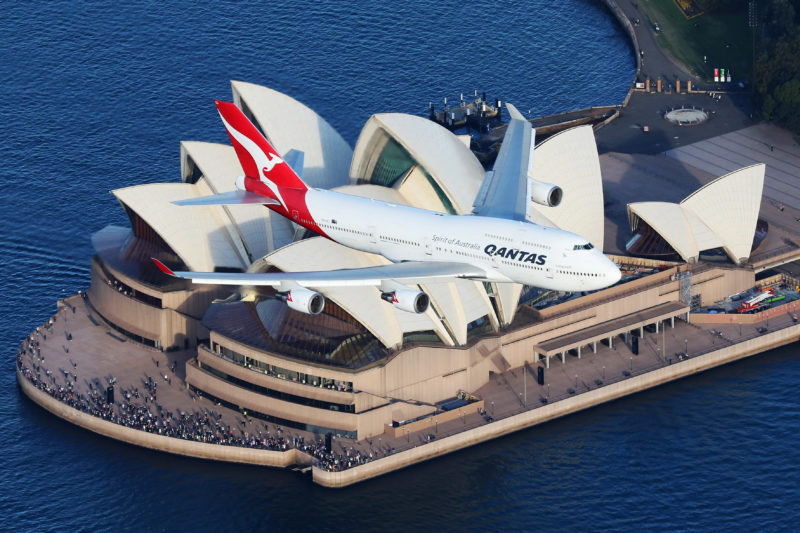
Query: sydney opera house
{"x":361,"y":364}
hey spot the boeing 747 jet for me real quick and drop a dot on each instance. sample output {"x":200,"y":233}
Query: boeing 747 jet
{"x":496,"y":243}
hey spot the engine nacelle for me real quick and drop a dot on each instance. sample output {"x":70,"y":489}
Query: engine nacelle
{"x":303,"y":300}
{"x":546,"y":193}
{"x":408,"y":300}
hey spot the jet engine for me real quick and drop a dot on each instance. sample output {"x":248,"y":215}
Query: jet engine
{"x":407,"y":300}
{"x":546,"y":193}
{"x":303,"y":300}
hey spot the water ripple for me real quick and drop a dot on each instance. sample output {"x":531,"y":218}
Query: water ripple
{"x":99,"y":95}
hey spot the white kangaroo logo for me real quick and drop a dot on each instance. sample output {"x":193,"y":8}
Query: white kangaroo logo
{"x":272,"y":160}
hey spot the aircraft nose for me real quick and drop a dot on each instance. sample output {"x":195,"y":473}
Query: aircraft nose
{"x":614,"y":274}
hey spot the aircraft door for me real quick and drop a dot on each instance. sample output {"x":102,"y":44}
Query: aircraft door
{"x":428,"y":246}
{"x":548,"y":272}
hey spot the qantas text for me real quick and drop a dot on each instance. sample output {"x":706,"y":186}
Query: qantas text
{"x":513,"y":253}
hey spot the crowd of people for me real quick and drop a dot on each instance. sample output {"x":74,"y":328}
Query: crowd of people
{"x":140,"y":410}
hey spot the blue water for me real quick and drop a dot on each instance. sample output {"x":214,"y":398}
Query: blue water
{"x":98,"y":96}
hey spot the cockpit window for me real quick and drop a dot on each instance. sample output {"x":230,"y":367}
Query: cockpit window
{"x":587,"y":246}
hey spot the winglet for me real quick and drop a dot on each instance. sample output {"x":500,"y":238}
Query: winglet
{"x":163,"y":268}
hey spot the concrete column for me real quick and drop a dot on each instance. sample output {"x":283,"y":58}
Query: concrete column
{"x":657,"y":323}
{"x":594,"y":346}
{"x":611,"y":342}
{"x":678,"y":86}
{"x":672,"y":321}
{"x":563,"y":357}
{"x":547,"y":361}
{"x":641,"y":331}
{"x":687,"y":317}
{"x":626,"y":337}
{"x":579,"y":352}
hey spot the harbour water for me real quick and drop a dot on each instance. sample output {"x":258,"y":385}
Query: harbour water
{"x":97,"y":97}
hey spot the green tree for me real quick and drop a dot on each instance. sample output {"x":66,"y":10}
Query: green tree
{"x":779,"y":16}
{"x":776,"y":76}
{"x":787,"y":104}
{"x":718,"y":5}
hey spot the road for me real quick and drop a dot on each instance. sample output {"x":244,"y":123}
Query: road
{"x":656,"y":63}
{"x":625,"y":134}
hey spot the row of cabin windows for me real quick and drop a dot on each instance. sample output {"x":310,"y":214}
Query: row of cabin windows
{"x":341,"y":228}
{"x":459,"y":252}
{"x":530,"y":266}
{"x":589,"y":274}
{"x":398,"y":241}
{"x":536,"y":245}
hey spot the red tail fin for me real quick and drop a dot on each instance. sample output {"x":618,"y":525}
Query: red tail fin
{"x":259,"y":159}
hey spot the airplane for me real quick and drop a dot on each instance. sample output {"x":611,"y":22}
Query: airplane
{"x":493,"y":244}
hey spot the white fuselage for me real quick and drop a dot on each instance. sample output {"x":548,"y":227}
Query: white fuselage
{"x":507,"y":250}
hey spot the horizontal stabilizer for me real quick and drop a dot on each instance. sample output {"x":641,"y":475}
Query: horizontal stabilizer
{"x":229,"y":198}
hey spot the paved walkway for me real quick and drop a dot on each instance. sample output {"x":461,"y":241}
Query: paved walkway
{"x":776,"y":147}
{"x":95,"y":353}
{"x":626,"y":133}
{"x":655,"y":62}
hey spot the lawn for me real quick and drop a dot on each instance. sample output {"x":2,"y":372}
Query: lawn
{"x":724,"y":38}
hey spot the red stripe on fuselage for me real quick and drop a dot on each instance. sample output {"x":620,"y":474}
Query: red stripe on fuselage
{"x":296,"y":208}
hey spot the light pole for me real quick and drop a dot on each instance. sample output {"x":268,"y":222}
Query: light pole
{"x":604,"y":372}
{"x":686,"y":346}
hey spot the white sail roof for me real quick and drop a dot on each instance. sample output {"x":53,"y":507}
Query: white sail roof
{"x":722,"y":214}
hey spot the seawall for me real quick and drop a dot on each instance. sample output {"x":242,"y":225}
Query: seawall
{"x":558,"y":409}
{"x":201,"y":450}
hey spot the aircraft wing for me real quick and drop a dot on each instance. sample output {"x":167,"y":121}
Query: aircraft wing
{"x":504,"y":192}
{"x":408,"y":272}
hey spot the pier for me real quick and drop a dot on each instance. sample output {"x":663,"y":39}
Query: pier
{"x":477,"y":114}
